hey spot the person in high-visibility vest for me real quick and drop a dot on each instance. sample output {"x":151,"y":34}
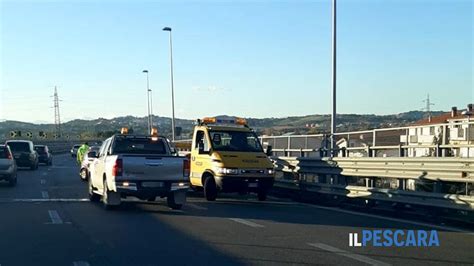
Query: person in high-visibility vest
{"x":83,"y":150}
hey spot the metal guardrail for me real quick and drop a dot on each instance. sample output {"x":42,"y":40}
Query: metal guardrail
{"x":450,"y":180}
{"x":388,"y":139}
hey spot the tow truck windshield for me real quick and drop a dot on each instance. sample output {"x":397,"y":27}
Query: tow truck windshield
{"x":235,"y":141}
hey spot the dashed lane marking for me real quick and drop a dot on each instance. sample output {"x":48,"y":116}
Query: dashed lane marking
{"x":42,"y":181}
{"x":195,"y":206}
{"x":45,"y":194}
{"x":61,"y":167}
{"x":79,"y":263}
{"x":440,"y":227}
{"x":54,"y":216}
{"x":246,"y":222}
{"x":348,"y":254}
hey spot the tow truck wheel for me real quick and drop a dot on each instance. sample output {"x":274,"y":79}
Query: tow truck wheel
{"x":210,"y":189}
{"x":170,"y":200}
{"x":93,"y":197}
{"x":262,"y":195}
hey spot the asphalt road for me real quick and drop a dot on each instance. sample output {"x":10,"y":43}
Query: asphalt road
{"x":47,"y":220}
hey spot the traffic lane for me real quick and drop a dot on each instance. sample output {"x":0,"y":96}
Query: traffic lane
{"x":64,"y":181}
{"x":130,"y":236}
{"x":294,"y":226}
{"x":29,"y":184}
{"x":39,"y":234}
{"x":240,"y":238}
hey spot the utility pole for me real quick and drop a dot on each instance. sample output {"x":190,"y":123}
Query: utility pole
{"x":57,"y":119}
{"x":428,"y":105}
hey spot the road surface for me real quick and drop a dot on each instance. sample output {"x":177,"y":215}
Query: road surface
{"x":47,"y":220}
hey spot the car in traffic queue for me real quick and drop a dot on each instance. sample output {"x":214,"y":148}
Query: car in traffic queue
{"x":141,"y":166}
{"x":88,"y":159}
{"x":74,"y":150}
{"x":227,"y":156}
{"x":8,"y":168}
{"x":44,"y":154}
{"x":24,"y":153}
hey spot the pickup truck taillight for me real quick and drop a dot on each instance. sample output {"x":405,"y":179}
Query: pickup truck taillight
{"x":186,"y":168}
{"x":117,"y":169}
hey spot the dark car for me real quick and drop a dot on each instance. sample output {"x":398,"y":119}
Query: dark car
{"x":24,"y":153}
{"x":7,"y":165}
{"x":74,"y":150}
{"x":44,"y":154}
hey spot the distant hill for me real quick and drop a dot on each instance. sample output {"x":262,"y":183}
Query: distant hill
{"x":310,"y":124}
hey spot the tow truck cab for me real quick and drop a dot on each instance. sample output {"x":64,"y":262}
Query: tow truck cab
{"x":226,"y":155}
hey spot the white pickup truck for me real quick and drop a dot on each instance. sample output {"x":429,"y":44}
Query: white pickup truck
{"x":145,"y":167}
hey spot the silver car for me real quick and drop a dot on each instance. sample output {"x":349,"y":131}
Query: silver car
{"x":8,"y":168}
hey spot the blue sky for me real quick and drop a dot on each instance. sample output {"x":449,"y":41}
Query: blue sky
{"x":245,"y":58}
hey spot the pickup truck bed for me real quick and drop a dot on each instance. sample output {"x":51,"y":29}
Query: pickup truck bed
{"x":139,"y":166}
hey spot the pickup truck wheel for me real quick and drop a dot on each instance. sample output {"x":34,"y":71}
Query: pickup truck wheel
{"x":108,"y":198}
{"x":172,"y":203}
{"x":210,"y":189}
{"x":93,"y":197}
{"x":262,"y":195}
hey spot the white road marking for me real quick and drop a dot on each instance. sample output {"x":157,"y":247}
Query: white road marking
{"x":80,"y":263}
{"x":195,"y":206}
{"x":246,"y":222}
{"x":62,"y":167}
{"x":54,"y":216}
{"x":348,"y":254}
{"x":440,"y":227}
{"x":45,"y":194}
{"x":43,"y":181}
{"x":44,"y":174}
{"x":47,"y":200}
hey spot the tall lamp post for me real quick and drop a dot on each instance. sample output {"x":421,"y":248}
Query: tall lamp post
{"x":172,"y":83}
{"x":148,"y":100}
{"x":333,"y":80}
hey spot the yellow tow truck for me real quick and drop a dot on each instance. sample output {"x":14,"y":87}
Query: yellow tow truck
{"x":227,"y":156}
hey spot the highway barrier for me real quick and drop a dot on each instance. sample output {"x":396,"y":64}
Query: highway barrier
{"x":443,"y":183}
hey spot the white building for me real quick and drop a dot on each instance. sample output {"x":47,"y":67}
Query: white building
{"x":454,"y":128}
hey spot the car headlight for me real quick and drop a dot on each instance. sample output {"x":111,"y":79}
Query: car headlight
{"x":227,"y":171}
{"x":270,"y":171}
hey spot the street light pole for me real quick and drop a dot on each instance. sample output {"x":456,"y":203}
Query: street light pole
{"x":172,"y":83}
{"x":333,"y":115}
{"x":148,"y":100}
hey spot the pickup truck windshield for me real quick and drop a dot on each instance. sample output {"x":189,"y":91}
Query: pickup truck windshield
{"x":19,"y":146}
{"x":139,"y":146}
{"x":235,"y":141}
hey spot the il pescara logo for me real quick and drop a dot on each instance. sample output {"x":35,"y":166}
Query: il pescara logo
{"x":394,"y":238}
